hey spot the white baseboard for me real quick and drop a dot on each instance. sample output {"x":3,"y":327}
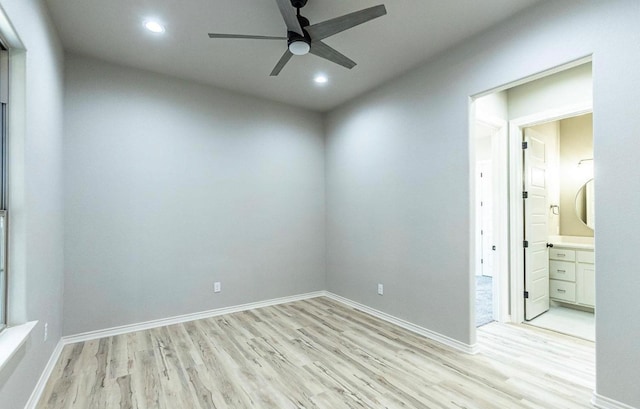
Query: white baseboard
{"x":44,"y":377}
{"x":443,"y":339}
{"x":603,"y":402}
{"x":125,"y":329}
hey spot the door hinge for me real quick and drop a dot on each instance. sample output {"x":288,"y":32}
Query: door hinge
{"x":481,"y":204}
{"x":526,"y":294}
{"x":525,"y":195}
{"x":525,"y":145}
{"x":525,"y":244}
{"x":481,"y":232}
{"x":481,"y":261}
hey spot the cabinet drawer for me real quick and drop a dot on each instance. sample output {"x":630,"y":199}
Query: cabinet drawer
{"x":586,"y":257}
{"x":562,"y":254}
{"x":562,"y":270}
{"x":562,"y":290}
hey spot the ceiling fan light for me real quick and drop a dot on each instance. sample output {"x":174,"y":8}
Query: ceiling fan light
{"x":299,"y":47}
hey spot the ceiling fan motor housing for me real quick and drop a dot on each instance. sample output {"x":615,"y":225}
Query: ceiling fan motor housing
{"x":292,"y":36}
{"x":298,"y":3}
{"x":304,"y":22}
{"x":298,"y":48}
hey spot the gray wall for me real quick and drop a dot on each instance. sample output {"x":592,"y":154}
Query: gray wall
{"x":35,"y":196}
{"x":398,"y":177}
{"x":171,"y":185}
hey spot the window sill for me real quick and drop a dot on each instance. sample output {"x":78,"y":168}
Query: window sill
{"x":11,"y":339}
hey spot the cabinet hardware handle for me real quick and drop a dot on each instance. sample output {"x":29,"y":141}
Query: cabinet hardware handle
{"x":561,"y":254}
{"x":562,"y":271}
{"x":561,"y":291}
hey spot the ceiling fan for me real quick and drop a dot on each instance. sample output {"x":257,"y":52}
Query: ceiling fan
{"x":303,"y":38}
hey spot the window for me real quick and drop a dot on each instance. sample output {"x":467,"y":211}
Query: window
{"x":4,"y":93}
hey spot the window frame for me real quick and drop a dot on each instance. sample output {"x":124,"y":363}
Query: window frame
{"x":4,"y":219}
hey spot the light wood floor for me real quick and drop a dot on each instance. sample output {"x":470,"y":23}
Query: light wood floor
{"x":319,"y":354}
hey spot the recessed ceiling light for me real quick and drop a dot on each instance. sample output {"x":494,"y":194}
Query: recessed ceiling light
{"x":154,"y":26}
{"x":321,"y":79}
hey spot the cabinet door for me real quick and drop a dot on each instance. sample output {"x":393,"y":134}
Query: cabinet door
{"x":586,"y":284}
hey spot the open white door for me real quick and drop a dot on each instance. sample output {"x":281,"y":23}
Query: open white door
{"x":485,"y":217}
{"x":536,"y":259}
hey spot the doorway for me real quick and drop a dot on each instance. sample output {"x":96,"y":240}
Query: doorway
{"x":529,"y":107}
{"x":558,"y":224}
{"x":489,"y":268}
{"x":484,"y":226}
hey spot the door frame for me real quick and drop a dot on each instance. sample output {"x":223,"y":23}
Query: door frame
{"x":516,"y":212}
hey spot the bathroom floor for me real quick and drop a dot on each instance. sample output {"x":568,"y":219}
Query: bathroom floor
{"x":568,"y":321}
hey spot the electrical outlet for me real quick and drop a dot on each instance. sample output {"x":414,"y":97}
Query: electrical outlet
{"x":380,"y":289}
{"x":217,"y":287}
{"x":46,"y":331}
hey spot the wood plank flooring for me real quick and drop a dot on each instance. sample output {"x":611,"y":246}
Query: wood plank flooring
{"x":319,"y":353}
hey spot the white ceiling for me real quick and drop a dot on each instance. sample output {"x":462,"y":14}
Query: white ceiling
{"x":411,"y":32}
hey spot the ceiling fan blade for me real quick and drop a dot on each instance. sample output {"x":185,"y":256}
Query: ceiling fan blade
{"x":322,"y":50}
{"x":283,"y":61}
{"x":250,"y":37}
{"x":289,"y":16}
{"x":336,"y":25}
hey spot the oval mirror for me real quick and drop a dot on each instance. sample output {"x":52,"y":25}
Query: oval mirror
{"x":584,"y":204}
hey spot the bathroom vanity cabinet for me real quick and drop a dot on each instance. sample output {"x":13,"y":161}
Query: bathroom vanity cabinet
{"x":572,"y":274}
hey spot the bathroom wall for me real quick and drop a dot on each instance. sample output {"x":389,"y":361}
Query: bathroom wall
{"x":576,"y":143}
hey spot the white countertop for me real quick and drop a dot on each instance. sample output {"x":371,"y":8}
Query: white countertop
{"x":576,"y":242}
